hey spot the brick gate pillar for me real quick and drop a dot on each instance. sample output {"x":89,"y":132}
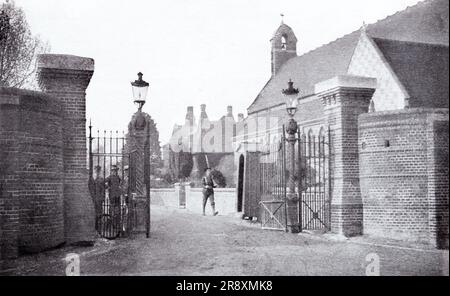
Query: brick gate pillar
{"x":139,"y":128}
{"x":66,"y":77}
{"x":344,"y":98}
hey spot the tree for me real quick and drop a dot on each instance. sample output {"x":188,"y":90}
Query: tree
{"x":18,"y":48}
{"x":180,"y":164}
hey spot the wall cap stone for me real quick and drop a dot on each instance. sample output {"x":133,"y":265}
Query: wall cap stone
{"x":198,"y":189}
{"x":171,"y":190}
{"x":347,"y":81}
{"x":393,"y":113}
{"x":65,"y":62}
{"x":13,"y":91}
{"x":17,"y":96}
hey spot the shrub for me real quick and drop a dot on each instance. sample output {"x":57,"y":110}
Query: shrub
{"x":219,"y":178}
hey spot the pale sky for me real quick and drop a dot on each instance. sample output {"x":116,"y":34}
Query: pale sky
{"x":190,"y":51}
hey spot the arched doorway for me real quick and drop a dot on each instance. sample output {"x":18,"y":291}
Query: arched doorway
{"x":240,"y":188}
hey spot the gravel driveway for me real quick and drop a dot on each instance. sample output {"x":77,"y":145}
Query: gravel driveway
{"x":184,"y":243}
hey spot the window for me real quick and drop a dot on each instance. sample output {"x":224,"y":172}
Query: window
{"x":283,"y":42}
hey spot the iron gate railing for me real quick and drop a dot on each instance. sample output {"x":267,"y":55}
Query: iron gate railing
{"x":272,"y":163}
{"x":110,"y":191}
{"x":312,"y":176}
{"x":314,"y":182}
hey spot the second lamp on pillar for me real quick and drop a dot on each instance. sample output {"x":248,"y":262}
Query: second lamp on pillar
{"x":292,"y":198}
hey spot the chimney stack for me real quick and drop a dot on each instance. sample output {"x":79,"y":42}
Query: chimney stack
{"x":203,"y":114}
{"x":190,"y":115}
{"x":230,"y":111}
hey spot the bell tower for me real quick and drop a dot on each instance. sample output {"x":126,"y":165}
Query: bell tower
{"x":284,"y":46}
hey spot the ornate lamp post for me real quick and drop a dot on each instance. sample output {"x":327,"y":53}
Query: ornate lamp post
{"x":291,"y":97}
{"x":140,"y":90}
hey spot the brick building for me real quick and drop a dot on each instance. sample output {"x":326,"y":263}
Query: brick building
{"x":207,"y":142}
{"x":387,"y":177}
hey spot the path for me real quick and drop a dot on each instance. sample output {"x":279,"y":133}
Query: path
{"x":190,"y":244}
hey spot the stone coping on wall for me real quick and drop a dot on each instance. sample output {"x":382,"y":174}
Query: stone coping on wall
{"x":193,"y":189}
{"x":162,"y":189}
{"x":17,"y":96}
{"x":65,"y":62}
{"x":4,"y":91}
{"x":346,"y":81}
{"x":407,"y":111}
{"x":215,"y":189}
{"x":404,"y":116}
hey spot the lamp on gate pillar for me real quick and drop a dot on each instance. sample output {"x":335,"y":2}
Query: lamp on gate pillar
{"x":140,"y":89}
{"x":291,"y":97}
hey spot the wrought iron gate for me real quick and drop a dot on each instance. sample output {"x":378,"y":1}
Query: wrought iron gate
{"x":314,"y":182}
{"x":272,"y":164}
{"x":110,"y":182}
{"x":312,"y":177}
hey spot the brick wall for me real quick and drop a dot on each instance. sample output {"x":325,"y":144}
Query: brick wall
{"x":44,"y":199}
{"x":31,"y":163}
{"x":404,"y":174}
{"x":67,"y":77}
{"x":9,"y":223}
{"x":438,"y":172}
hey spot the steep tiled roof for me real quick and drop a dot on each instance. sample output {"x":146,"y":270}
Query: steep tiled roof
{"x":426,"y":22}
{"x":423,"y":71}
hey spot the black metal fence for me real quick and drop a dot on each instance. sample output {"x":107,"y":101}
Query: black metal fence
{"x":109,"y":184}
{"x":311,"y":176}
{"x":314,"y":182}
{"x":272,"y":163}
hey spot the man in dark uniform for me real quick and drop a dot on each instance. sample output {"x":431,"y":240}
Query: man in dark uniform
{"x":97,"y":190}
{"x":208,"y":191}
{"x":114,"y":190}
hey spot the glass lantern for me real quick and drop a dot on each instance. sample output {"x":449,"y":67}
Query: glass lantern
{"x":291,"y":98}
{"x":140,"y":89}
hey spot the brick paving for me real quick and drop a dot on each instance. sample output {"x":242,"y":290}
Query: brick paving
{"x":184,"y":243}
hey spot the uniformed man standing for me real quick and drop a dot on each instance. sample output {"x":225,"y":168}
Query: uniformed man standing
{"x":114,"y":189}
{"x":208,"y":191}
{"x":97,"y":190}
